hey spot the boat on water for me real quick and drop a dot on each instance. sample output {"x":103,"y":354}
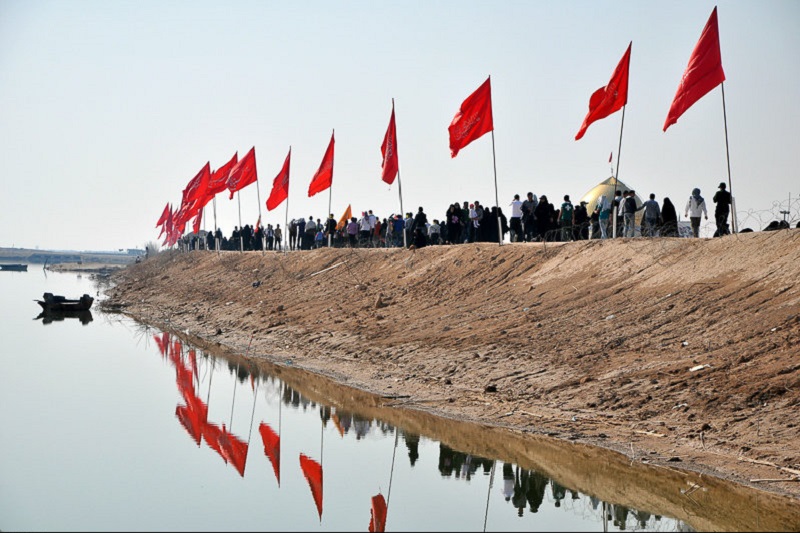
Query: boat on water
{"x":18,"y":267}
{"x":50,"y":302}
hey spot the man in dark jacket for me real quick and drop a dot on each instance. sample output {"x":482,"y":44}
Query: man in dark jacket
{"x":723,"y":200}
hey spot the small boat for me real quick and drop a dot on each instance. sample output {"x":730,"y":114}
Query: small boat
{"x":18,"y":267}
{"x":59,"y":303}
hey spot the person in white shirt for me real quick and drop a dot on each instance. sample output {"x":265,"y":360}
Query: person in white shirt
{"x":695,"y":208}
{"x":515,"y":224}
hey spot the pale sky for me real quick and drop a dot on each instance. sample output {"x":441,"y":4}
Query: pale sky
{"x":108,"y":108}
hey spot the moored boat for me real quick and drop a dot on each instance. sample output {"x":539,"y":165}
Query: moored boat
{"x":18,"y":267}
{"x":51,"y":302}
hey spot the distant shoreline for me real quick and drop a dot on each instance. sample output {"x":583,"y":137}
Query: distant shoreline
{"x":69,"y":257}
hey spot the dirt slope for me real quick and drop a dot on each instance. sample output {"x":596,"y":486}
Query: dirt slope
{"x":687,"y":350}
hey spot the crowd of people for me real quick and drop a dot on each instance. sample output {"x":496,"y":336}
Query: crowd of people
{"x":534,"y":219}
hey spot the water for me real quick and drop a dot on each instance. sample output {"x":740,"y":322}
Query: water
{"x":93,"y":440}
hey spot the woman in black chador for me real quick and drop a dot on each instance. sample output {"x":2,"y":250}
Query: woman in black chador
{"x":669,"y":219}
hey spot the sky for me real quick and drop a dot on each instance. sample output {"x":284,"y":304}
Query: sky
{"x":108,"y":108}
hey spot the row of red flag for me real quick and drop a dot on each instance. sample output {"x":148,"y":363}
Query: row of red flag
{"x":472,"y":121}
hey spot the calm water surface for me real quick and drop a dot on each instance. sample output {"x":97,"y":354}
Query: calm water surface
{"x":112,"y":426}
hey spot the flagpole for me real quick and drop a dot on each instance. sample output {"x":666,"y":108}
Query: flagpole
{"x":241,"y":239}
{"x":286,"y":217}
{"x":496,"y":197}
{"x":734,"y":222}
{"x":488,"y":492}
{"x":285,"y":231}
{"x":263,"y":236}
{"x":616,"y":174}
{"x":203,"y":217}
{"x":330,"y":194}
{"x":216,"y":244}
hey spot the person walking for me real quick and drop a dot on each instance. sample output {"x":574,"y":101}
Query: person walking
{"x":629,"y":210}
{"x":723,"y":200}
{"x":669,"y":219}
{"x":567,"y":218}
{"x":652,"y":212}
{"x":516,"y":219}
{"x":695,"y":208}
{"x":528,"y":218}
{"x":603,"y":210}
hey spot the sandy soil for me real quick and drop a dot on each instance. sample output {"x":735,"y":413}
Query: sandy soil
{"x":687,"y":350}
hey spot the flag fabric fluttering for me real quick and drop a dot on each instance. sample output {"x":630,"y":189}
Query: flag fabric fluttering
{"x":323,"y":178}
{"x":703,"y":73}
{"x":610,"y":156}
{"x":219,"y":178}
{"x":280,"y":185}
{"x":163,"y":217}
{"x":390,"y":165}
{"x":196,"y":188}
{"x":348,"y":213}
{"x":243,"y":173}
{"x":198,"y":217}
{"x":611,"y":98}
{"x":473,"y":119}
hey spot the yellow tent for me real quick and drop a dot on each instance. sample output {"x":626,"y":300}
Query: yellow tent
{"x":608,"y":187}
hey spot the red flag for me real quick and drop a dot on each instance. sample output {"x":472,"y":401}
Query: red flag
{"x":212,"y":434}
{"x":163,"y":217}
{"x":703,"y":73}
{"x":162,"y":341}
{"x":233,"y":449}
{"x":243,"y":172}
{"x":197,"y":219}
{"x":280,"y":185}
{"x":324,"y":175}
{"x":190,"y":421}
{"x":390,"y":165}
{"x":219,"y":178}
{"x":377,"y":519}
{"x":610,"y":156}
{"x":312,"y":470}
{"x":473,"y":119}
{"x":612,"y":97}
{"x":272,"y":448}
{"x":198,"y":185}
{"x":167,"y":224}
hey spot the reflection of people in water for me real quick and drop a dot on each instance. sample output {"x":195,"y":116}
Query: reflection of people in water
{"x":620,"y":516}
{"x":559,"y":492}
{"x":537,"y":484}
{"x":412,"y":443}
{"x":642,"y":517}
{"x":520,"y":481}
{"x":508,"y":481}
{"x":324,"y":414}
{"x":361,"y":426}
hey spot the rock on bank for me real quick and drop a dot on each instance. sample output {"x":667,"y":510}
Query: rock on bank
{"x":686,"y":349}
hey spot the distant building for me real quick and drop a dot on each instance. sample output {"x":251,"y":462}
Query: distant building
{"x":135,"y":251}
